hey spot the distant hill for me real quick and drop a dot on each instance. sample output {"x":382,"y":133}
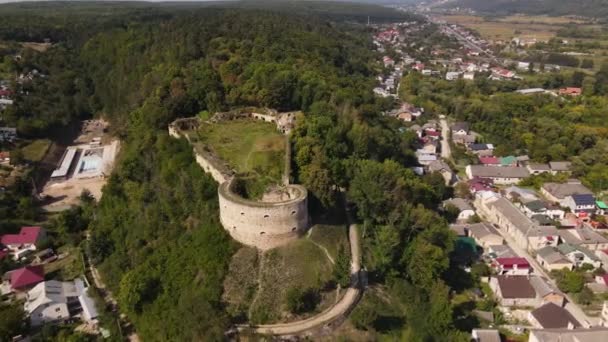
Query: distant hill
{"x":588,"y":8}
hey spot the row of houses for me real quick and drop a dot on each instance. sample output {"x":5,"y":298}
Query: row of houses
{"x":45,"y":301}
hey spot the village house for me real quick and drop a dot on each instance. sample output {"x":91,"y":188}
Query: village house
{"x":522,"y":229}
{"x":571,"y":91}
{"x":512,"y":266}
{"x":482,"y":150}
{"x":559,"y":166}
{"x":416,"y":129}
{"x":579,"y":255}
{"x":469,"y":76}
{"x":601,"y":208}
{"x":585,"y":237}
{"x":568,"y":335}
{"x":426,"y":159}
{"x":22,"y":279}
{"x":460,"y":128}
{"x":489,"y":161}
{"x":513,"y":290}
{"x":508,"y":161}
{"x":54,"y":301}
{"x":480,"y":184}
{"x":465,"y":210}
{"x":5,"y":157}
{"x":452,"y":75}
{"x":405,"y":116}
{"x":484,"y":234}
{"x":8,"y":134}
{"x":501,"y":251}
{"x":499,"y":175}
{"x":546,"y":293}
{"x":602,"y":254}
{"x":516,"y":194}
{"x":583,"y":203}
{"x":551,"y":259}
{"x":557,"y":192}
{"x":604,"y":315}
{"x":24,"y":242}
{"x":485,"y":335}
{"x":444,"y":169}
{"x":551,"y":316}
{"x":537,"y":169}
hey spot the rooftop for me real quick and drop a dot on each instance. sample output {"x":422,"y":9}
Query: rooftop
{"x":498,"y":171}
{"x":569,"y":335}
{"x":481,"y":230}
{"x":459,"y":203}
{"x":515,"y":287}
{"x":27,"y":235}
{"x":552,"y":255}
{"x":26,"y":276}
{"x":551,"y":316}
{"x":562,"y":190}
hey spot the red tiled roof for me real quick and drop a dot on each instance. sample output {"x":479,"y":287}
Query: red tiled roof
{"x":27,"y":276}
{"x":489,"y":160}
{"x":510,"y":262}
{"x":433,"y":133}
{"x":25,"y":236}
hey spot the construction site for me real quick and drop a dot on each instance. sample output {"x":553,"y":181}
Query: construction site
{"x":85,"y":165}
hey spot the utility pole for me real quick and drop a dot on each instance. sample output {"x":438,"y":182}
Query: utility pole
{"x":368,"y":20}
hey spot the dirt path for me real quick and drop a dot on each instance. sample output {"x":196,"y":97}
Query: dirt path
{"x":339,"y":310}
{"x":446,"y":151}
{"x":259,"y":290}
{"x":320,"y":246}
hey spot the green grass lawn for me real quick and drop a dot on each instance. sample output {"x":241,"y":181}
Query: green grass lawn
{"x":36,"y":150}
{"x":299,"y":264}
{"x":249,"y":146}
{"x":67,"y":268}
{"x":331,"y":237}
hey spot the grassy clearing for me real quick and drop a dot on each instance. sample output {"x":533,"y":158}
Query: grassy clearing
{"x":241,"y":282}
{"x":249,"y":146}
{"x":36,"y":150}
{"x":298,"y":264}
{"x":67,"y":268}
{"x":331,"y":237}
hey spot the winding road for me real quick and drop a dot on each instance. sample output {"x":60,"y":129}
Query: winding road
{"x":338,"y":310}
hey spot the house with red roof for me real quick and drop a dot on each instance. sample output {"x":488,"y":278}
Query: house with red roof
{"x":489,"y":161}
{"x":23,"y":242}
{"x":25,"y":278}
{"x":571,"y":91}
{"x":512,"y":266}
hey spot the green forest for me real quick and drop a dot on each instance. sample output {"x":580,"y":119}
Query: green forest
{"x":155,"y":234}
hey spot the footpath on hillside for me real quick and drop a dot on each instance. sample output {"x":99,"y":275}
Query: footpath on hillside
{"x":332,"y":314}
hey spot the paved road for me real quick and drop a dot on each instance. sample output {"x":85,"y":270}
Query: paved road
{"x":341,"y":308}
{"x":446,"y":151}
{"x":571,"y":306}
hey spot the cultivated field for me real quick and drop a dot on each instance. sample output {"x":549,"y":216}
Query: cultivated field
{"x":506,"y":28}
